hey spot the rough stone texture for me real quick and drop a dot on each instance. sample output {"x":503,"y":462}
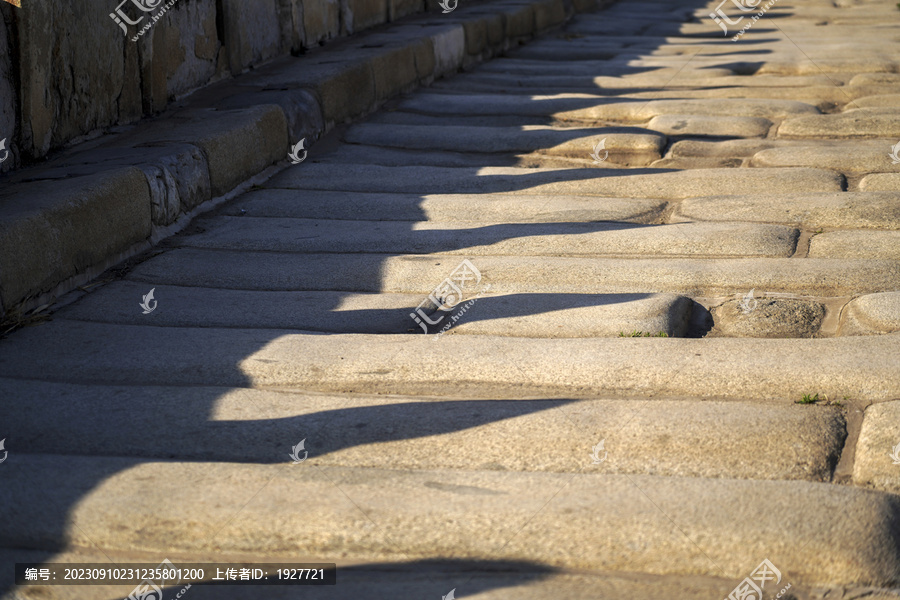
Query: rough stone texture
{"x":237,"y":144}
{"x":148,"y":434}
{"x":321,"y":21}
{"x":877,"y":462}
{"x":392,"y":514}
{"x":863,"y":157}
{"x":568,"y":315}
{"x":683,"y":438}
{"x":362,"y":14}
{"x":844,"y":209}
{"x":52,"y":230}
{"x":881,"y":100}
{"x":640,"y":111}
{"x":394,"y":72}
{"x":495,"y":239}
{"x":677,"y":125}
{"x":856,"y":244}
{"x":449,"y":49}
{"x":858,"y":123}
{"x":862,"y":368}
{"x":880,"y":182}
{"x":767,"y":318}
{"x":615,"y":183}
{"x":71,"y":82}
{"x":74,"y":85}
{"x":562,"y":141}
{"x":253,"y":33}
{"x":515,"y":274}
{"x":192,"y":46}
{"x":524,"y":208}
{"x":872,"y":313}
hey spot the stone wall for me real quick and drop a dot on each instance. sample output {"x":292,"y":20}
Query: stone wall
{"x":68,"y":70}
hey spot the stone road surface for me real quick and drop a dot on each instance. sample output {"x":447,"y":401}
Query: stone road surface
{"x":616,"y":411}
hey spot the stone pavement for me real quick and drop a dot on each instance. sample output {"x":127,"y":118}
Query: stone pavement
{"x":670,"y":267}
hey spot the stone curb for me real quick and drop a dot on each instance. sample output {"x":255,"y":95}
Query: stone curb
{"x":66,"y":221}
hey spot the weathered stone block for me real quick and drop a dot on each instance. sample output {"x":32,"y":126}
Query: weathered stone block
{"x":394,"y":72}
{"x":321,"y":21}
{"x":401,"y":8}
{"x":449,"y":49}
{"x":191,"y":46}
{"x":872,"y":314}
{"x":424,"y":57}
{"x":519,"y":21}
{"x":476,"y":35}
{"x":549,"y":13}
{"x":348,"y":93}
{"x":362,"y":14}
{"x":53,"y":230}
{"x":72,"y":72}
{"x":252,"y":32}
{"x":301,"y":108}
{"x":875,"y":464}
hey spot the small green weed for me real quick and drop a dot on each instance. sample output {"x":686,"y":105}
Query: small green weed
{"x":808,"y":399}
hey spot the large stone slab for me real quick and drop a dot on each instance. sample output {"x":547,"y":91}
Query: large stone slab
{"x":877,"y":460}
{"x":53,"y":230}
{"x":733,"y":107}
{"x":649,"y":183}
{"x":732,"y":439}
{"x":856,"y":244}
{"x":857,"y":123}
{"x":858,"y":367}
{"x":530,"y":315}
{"x":516,"y":274}
{"x":693,"y":125}
{"x":812,"y":211}
{"x":476,"y":239}
{"x":73,"y":83}
{"x":501,"y":208}
{"x":872,"y":313}
{"x":880,"y":182}
{"x":843,"y":535}
{"x":567,"y":315}
{"x":566,"y":141}
{"x":856,"y":157}
{"x":237,"y":144}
